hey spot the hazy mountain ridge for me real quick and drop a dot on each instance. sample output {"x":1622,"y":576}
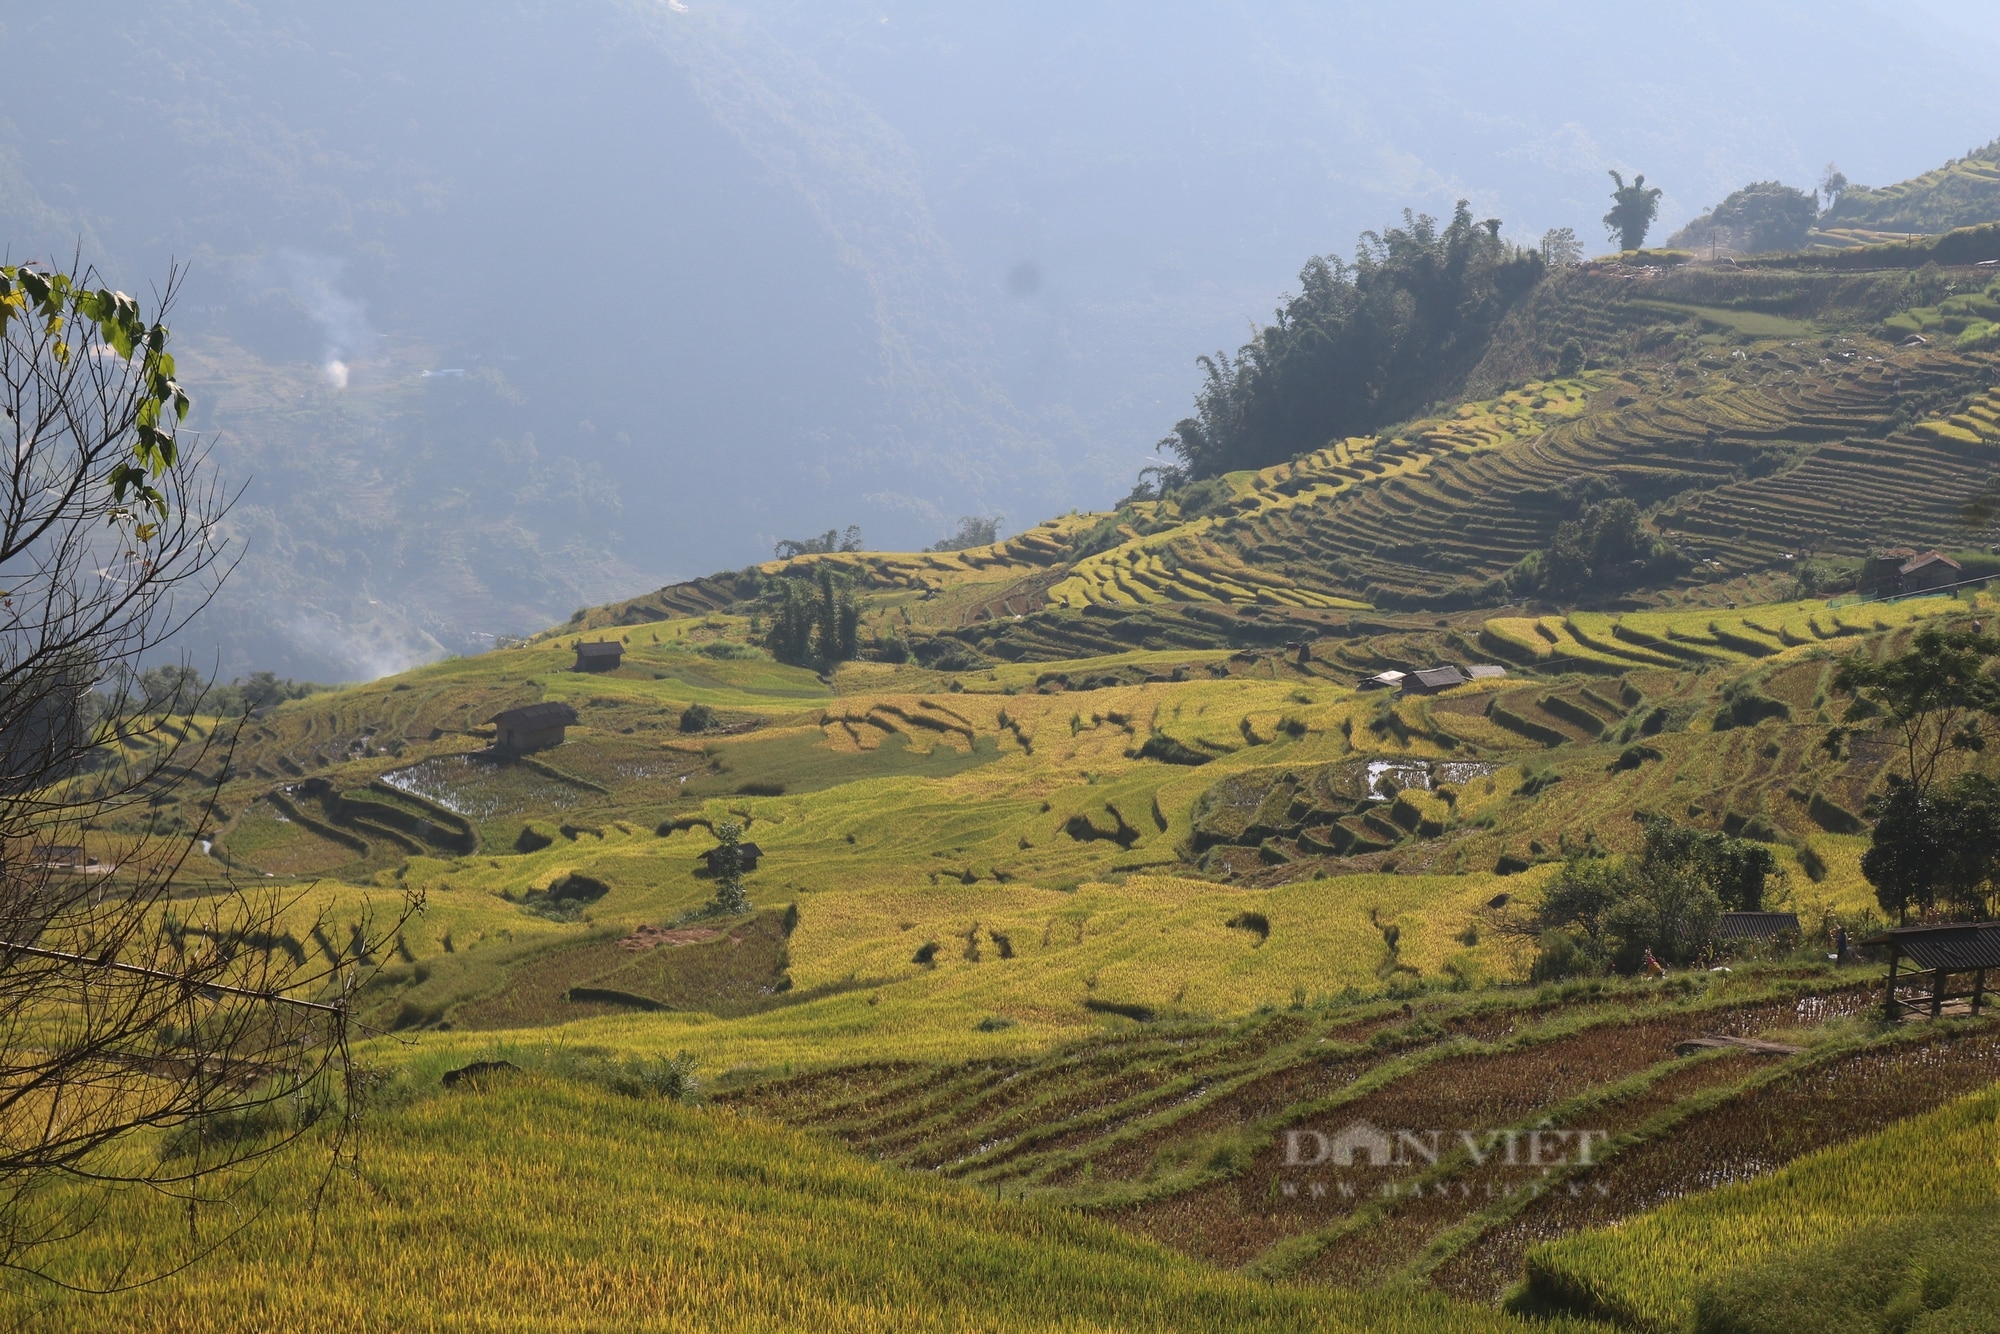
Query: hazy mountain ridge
{"x":770,"y":268}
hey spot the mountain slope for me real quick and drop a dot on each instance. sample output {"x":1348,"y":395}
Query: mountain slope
{"x":1961,"y":193}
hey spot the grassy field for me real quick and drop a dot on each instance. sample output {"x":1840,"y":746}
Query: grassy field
{"x":1932,"y":1173}
{"x":627,"y":1213}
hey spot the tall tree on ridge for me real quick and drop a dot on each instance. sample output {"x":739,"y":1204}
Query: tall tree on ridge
{"x":1632,"y":212}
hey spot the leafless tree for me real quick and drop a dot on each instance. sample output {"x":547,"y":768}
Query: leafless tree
{"x":132,"y":1001}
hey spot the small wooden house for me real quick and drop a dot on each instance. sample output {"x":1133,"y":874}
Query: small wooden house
{"x":1902,"y":571}
{"x":1432,"y":680}
{"x":746,"y":857}
{"x":1930,"y":572}
{"x":531,"y":727}
{"x":599,"y":655}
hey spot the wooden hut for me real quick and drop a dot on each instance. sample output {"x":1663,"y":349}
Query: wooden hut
{"x":599,"y":655}
{"x":1432,"y":680}
{"x":1901,"y":571}
{"x":531,"y":727}
{"x":1758,"y":926}
{"x":1941,"y":952}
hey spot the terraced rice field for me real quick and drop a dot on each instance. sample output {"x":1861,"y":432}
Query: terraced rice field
{"x":1191,"y":1135}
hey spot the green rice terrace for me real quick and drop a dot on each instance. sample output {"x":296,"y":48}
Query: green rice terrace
{"x":1108,"y":918}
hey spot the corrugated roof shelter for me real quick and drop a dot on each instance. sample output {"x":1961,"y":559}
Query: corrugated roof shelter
{"x":1390,"y":680}
{"x":531,"y":727}
{"x":1485,"y":671}
{"x":599,"y":655}
{"x":1431,"y":680}
{"x":1955,"y":947}
{"x":1757,"y":925}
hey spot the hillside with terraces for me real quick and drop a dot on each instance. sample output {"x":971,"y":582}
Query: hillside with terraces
{"x":1122,"y":893}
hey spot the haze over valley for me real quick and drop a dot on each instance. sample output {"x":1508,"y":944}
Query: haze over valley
{"x":734,"y":274}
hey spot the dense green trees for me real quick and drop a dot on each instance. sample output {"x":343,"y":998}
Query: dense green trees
{"x":1761,"y":217}
{"x":973,"y":531}
{"x":1936,"y":844}
{"x":1560,"y":248}
{"x":1605,"y":548}
{"x":1633,"y":208}
{"x":816,"y":625}
{"x":1606,"y":912}
{"x":826,"y":543}
{"x":181,"y":689}
{"x":1361,"y":345}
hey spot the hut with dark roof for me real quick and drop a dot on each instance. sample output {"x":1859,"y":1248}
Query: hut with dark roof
{"x":599,"y":655}
{"x":531,"y":727}
{"x":1757,"y":925}
{"x":747,"y":857}
{"x":1902,"y":571}
{"x":1432,"y":680}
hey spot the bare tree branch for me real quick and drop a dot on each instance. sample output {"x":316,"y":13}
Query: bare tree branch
{"x":136,"y":998}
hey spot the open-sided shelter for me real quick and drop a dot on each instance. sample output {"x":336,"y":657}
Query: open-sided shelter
{"x":1942,"y":952}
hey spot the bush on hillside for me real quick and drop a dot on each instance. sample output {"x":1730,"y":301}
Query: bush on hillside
{"x":826,"y":543}
{"x":698,"y":718}
{"x":972,"y":531}
{"x":1606,"y":548}
{"x":728,"y":650}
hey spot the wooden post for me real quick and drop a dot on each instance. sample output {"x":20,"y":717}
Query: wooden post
{"x":1937,"y":993}
{"x":1889,"y":1010}
{"x":1978,"y":987}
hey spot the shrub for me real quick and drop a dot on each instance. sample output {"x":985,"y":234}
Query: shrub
{"x":1633,"y":756}
{"x":565,"y":900}
{"x":1743,"y":705}
{"x":1565,"y":954}
{"x":698,"y":718}
{"x":1160,"y":746}
{"x":731,"y":899}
